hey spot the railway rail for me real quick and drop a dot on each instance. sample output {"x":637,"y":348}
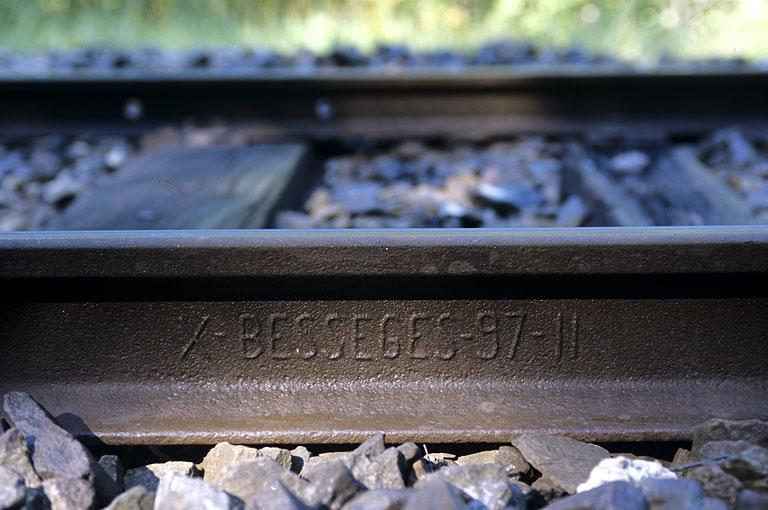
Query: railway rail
{"x":475,"y":102}
{"x":439,"y":336}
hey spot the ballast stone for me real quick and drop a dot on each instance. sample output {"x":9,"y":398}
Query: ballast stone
{"x":55,"y":452}
{"x":672,"y":494}
{"x":224,"y":455}
{"x":564,"y":461}
{"x":275,"y":496}
{"x":14,"y":453}
{"x":279,"y":455}
{"x":545,"y":490}
{"x":629,"y":162}
{"x":331,"y":485}
{"x":299,"y":458}
{"x":178,"y":492}
{"x":752,"y":500}
{"x":69,"y":494}
{"x":437,"y":494}
{"x":247,"y":479}
{"x":382,"y":471}
{"x":750,"y":467}
{"x":113,"y":468}
{"x":718,"y":449}
{"x":609,"y":496}
{"x":137,"y":498}
{"x":379,"y":499}
{"x":411,"y":452}
{"x":372,"y":447}
{"x":753,"y":431}
{"x":484,"y":457}
{"x":716,"y":483}
{"x":151,"y":475}
{"x":487,"y":484}
{"x":12,"y":489}
{"x":375,"y":466}
{"x":622,"y":469}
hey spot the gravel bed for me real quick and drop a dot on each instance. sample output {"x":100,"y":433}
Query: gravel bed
{"x":386,"y":57}
{"x":505,"y":184}
{"x":740,"y":158}
{"x":242,"y":59}
{"x":39,"y":177}
{"x":523,"y":182}
{"x":44,"y":466}
{"x":519,"y":182}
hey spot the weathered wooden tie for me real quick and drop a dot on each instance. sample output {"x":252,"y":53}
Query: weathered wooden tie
{"x":215,"y":187}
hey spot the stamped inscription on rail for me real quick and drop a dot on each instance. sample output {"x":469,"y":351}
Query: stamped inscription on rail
{"x":366,"y":337}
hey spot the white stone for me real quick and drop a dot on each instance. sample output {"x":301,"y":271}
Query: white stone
{"x":622,"y":469}
{"x":630,"y":162}
{"x":150,"y":475}
{"x":224,"y":455}
{"x":178,"y":492}
{"x":63,"y":187}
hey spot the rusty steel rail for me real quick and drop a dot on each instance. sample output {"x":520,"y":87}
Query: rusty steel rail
{"x":467,"y":103}
{"x":439,"y":336}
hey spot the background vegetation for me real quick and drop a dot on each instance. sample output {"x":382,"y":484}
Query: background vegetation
{"x":640,"y":29}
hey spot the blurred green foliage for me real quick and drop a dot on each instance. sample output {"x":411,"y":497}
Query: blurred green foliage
{"x":640,"y":29}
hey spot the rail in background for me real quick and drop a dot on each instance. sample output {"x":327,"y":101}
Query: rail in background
{"x":473,"y":103}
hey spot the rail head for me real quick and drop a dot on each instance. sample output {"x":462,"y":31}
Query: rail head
{"x":383,"y":253}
